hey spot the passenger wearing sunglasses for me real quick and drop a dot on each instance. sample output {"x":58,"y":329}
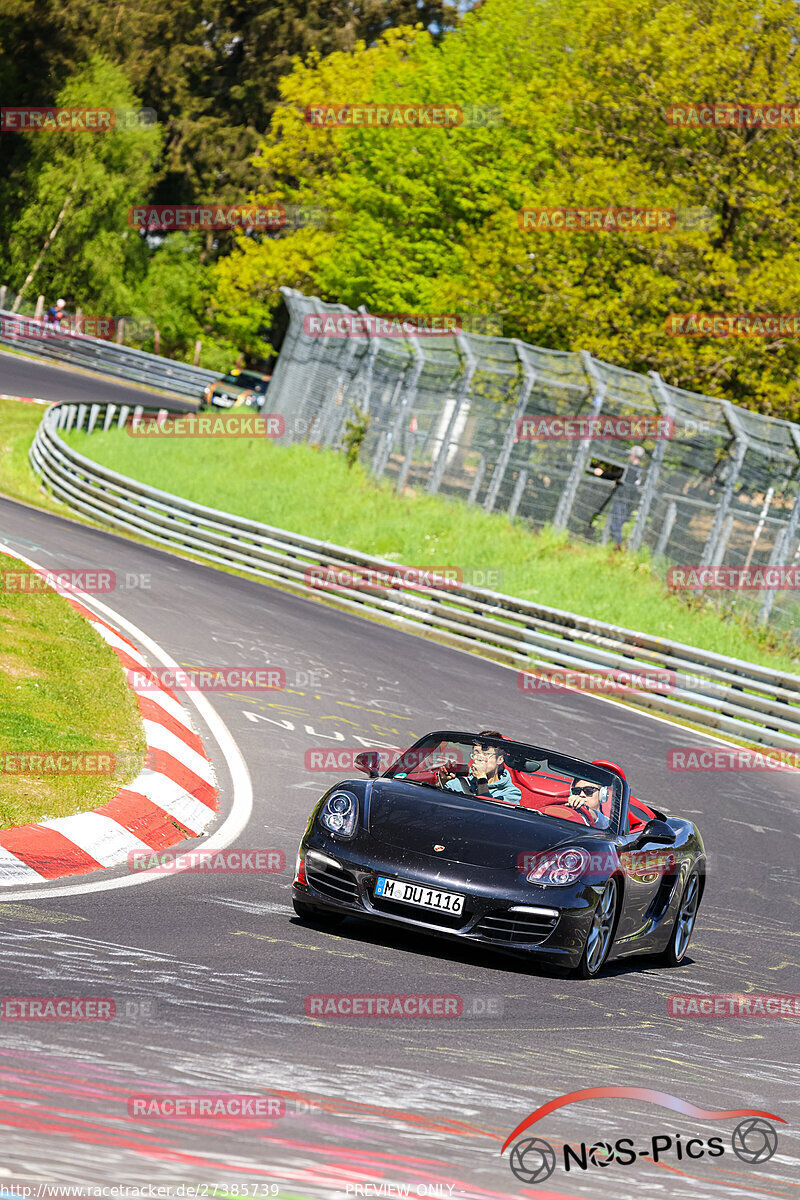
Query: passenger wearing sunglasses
{"x":585,"y":794}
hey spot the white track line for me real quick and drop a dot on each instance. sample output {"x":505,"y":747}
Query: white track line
{"x":241,"y":808}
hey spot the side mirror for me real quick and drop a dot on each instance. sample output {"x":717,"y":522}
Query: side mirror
{"x":656,"y":831}
{"x":368,"y":761}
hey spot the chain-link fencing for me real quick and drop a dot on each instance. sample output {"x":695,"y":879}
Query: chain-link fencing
{"x":462,"y":415}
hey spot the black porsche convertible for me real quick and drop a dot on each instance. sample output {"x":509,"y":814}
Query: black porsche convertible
{"x":492,"y":841}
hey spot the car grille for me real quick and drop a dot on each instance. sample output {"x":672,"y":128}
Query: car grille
{"x":505,"y":926}
{"x":330,"y":881}
{"x":430,"y":916}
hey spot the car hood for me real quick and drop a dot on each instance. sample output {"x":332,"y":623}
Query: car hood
{"x":478,"y":832}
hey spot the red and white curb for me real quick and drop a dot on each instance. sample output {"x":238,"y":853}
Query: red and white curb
{"x":24,"y":399}
{"x":175,"y":796}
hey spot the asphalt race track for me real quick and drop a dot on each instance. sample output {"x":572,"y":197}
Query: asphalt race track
{"x":20,"y":376}
{"x":209,"y":972}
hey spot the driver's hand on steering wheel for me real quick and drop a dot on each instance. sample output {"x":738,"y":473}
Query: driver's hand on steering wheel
{"x":445,"y":774}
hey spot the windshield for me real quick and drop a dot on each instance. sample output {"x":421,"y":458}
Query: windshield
{"x":244,"y":379}
{"x":501,"y":771}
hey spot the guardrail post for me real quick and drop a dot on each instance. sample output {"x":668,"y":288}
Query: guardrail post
{"x":138,"y":413}
{"x":123,"y":416}
{"x":81,"y":416}
{"x":501,"y":466}
{"x":435,"y":480}
{"x":664,"y":405}
{"x":109,"y":417}
{"x":94,"y":413}
{"x":742,"y":444}
{"x":567,"y":497}
{"x":71,"y":414}
{"x":519,"y":488}
{"x":666,"y":530}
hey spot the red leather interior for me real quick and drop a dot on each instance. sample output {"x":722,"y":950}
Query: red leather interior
{"x":538,"y":791}
{"x":638,"y":815}
{"x":568,"y":814}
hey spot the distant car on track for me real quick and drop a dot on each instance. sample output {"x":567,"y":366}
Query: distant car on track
{"x":553,"y":881}
{"x":239,"y":389}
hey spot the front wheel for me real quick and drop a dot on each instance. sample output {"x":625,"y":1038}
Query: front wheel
{"x":601,"y":933}
{"x":316,"y":916}
{"x":683,"y":928}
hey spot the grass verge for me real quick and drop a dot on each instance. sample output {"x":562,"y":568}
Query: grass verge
{"x":313,"y":491}
{"x":61,"y":690}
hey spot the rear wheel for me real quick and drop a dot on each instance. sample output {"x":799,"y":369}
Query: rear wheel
{"x":683,"y":928}
{"x":601,"y":932}
{"x":316,"y":916}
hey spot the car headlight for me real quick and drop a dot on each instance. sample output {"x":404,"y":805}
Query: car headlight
{"x":561,"y":867}
{"x":339,"y":814}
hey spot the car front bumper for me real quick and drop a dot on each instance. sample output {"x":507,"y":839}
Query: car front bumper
{"x":521,"y":919}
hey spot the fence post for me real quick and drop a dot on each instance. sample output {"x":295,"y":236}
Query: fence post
{"x":742,"y":444}
{"x":526,"y":387}
{"x":666,"y":530}
{"x":477,"y":481}
{"x":519,"y":488}
{"x":407,"y":396}
{"x":39,"y":307}
{"x":783,"y":544}
{"x":759,"y":529}
{"x":656,"y":463}
{"x":567,"y":497}
{"x":3,"y":290}
{"x":434,"y":482}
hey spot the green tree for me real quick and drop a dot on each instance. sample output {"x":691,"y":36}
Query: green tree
{"x":428,"y":220}
{"x":72,"y":231}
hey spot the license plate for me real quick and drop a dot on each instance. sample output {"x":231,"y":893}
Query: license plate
{"x":415,"y":893}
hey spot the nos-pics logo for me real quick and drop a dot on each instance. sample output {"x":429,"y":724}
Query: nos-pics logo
{"x":754,"y":1139}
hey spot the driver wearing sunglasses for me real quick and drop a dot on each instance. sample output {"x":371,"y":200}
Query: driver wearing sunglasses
{"x":585,"y":794}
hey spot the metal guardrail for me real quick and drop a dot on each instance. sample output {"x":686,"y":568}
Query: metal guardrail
{"x":166,"y":374}
{"x":729,"y":696}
